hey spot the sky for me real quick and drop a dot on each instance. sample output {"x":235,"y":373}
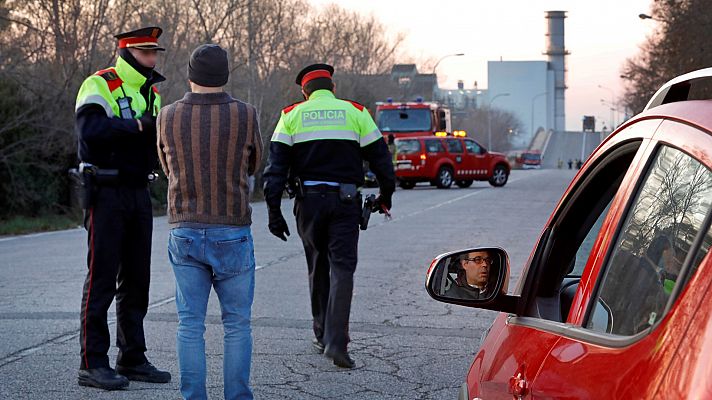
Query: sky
{"x":600,"y":35}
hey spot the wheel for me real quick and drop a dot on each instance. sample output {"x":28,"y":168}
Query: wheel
{"x":499,"y":176}
{"x":464,"y":184}
{"x":444,"y":178}
{"x":407,"y":184}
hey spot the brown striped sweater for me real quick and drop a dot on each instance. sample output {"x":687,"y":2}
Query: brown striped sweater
{"x":208,"y":144}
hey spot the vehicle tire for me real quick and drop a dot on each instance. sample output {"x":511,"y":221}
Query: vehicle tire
{"x":406,"y":184}
{"x":464,"y":184}
{"x":444,"y":178}
{"x":500,"y":175}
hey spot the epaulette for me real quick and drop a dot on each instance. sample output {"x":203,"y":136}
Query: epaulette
{"x":359,"y":106}
{"x":111,"y":77}
{"x":291,"y":107}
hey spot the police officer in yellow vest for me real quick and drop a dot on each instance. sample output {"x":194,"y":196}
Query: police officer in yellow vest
{"x":115,"y":124}
{"x":319,"y":146}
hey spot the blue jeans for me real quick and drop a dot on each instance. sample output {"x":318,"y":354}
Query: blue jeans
{"x":223,"y":258}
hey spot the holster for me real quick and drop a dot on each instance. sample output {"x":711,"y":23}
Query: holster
{"x":84,"y":181}
{"x":295,"y":188}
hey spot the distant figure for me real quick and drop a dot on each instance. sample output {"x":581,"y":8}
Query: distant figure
{"x":570,"y":163}
{"x":579,"y":164}
{"x":560,"y":163}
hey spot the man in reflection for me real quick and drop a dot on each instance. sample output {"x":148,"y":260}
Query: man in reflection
{"x":472,"y":276}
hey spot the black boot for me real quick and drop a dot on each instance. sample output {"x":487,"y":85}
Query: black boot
{"x":102,"y":378}
{"x":318,"y":345}
{"x":144,"y":373}
{"x":340,"y":358}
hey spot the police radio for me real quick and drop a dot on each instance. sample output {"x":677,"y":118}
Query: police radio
{"x":125,"y":110}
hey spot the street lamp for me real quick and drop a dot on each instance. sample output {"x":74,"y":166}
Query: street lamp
{"x":489,"y":120}
{"x":646,"y":16}
{"x":613,"y":103}
{"x":444,"y":57}
{"x":531,"y":130}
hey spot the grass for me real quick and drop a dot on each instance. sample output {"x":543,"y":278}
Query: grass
{"x":19,"y":225}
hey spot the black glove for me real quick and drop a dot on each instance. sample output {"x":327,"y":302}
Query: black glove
{"x":277,"y":225}
{"x":383,"y":200}
{"x":148,"y":124}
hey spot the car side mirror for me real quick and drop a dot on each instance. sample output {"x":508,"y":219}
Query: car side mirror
{"x":442,"y":126}
{"x":472,"y":277}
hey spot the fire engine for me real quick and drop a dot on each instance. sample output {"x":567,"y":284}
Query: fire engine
{"x":418,"y":118}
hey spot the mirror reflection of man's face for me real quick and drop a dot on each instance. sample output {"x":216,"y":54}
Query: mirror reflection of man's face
{"x":477,"y":265}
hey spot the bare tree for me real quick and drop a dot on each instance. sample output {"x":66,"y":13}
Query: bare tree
{"x":678,"y":45}
{"x":48,"y":47}
{"x":476,"y":122}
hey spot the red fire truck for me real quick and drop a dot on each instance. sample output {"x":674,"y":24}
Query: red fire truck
{"x":416,"y":118}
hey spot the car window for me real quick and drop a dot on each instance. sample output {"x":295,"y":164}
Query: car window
{"x":566,"y":244}
{"x":407,"y":146}
{"x":434,"y":146}
{"x":472,"y":147}
{"x":666,"y":216}
{"x":587,"y":245}
{"x":454,"y":146}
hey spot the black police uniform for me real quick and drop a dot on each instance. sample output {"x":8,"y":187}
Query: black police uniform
{"x":119,"y":220}
{"x":327,"y":225}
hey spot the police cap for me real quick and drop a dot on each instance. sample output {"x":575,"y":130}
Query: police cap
{"x":143,"y":39}
{"x":314,"y":71}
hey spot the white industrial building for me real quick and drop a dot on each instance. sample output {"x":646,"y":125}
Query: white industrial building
{"x":524,"y":88}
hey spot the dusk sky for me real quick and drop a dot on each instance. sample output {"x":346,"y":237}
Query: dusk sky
{"x":599,"y":34}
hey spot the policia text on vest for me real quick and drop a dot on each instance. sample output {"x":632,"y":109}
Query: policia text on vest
{"x":321,"y":144}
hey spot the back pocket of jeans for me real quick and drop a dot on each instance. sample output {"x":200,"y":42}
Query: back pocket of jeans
{"x":235,"y":256}
{"x":178,"y":248}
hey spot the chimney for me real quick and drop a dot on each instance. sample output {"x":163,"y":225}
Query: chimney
{"x":556,"y":52}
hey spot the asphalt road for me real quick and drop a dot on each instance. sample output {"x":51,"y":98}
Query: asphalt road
{"x":406,"y":345}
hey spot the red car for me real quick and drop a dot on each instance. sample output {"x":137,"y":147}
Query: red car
{"x":615,"y":301}
{"x":444,"y":160}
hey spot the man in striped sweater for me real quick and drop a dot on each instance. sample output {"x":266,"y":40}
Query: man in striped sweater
{"x":208,"y":144}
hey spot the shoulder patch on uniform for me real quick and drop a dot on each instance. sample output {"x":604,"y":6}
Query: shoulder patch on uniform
{"x":291,"y":107}
{"x":111,"y":77}
{"x":359,"y":106}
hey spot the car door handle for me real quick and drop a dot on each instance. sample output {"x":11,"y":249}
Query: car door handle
{"x":518,"y":386}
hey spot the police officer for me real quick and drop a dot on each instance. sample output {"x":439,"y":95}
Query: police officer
{"x":115,"y":123}
{"x":319,"y":146}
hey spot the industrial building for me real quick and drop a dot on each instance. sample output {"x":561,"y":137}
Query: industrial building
{"x":534,"y":91}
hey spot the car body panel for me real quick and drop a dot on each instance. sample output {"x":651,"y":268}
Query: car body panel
{"x":492,"y":372}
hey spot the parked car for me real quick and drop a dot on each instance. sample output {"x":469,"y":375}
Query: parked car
{"x":444,"y":160}
{"x":614,"y":301}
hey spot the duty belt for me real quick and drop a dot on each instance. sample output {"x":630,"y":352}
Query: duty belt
{"x":114,"y":177}
{"x":321,"y":189}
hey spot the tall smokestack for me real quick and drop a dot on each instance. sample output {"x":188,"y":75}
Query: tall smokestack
{"x":557,"y":53}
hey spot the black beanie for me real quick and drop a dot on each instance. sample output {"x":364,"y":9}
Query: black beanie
{"x":208,"y":66}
